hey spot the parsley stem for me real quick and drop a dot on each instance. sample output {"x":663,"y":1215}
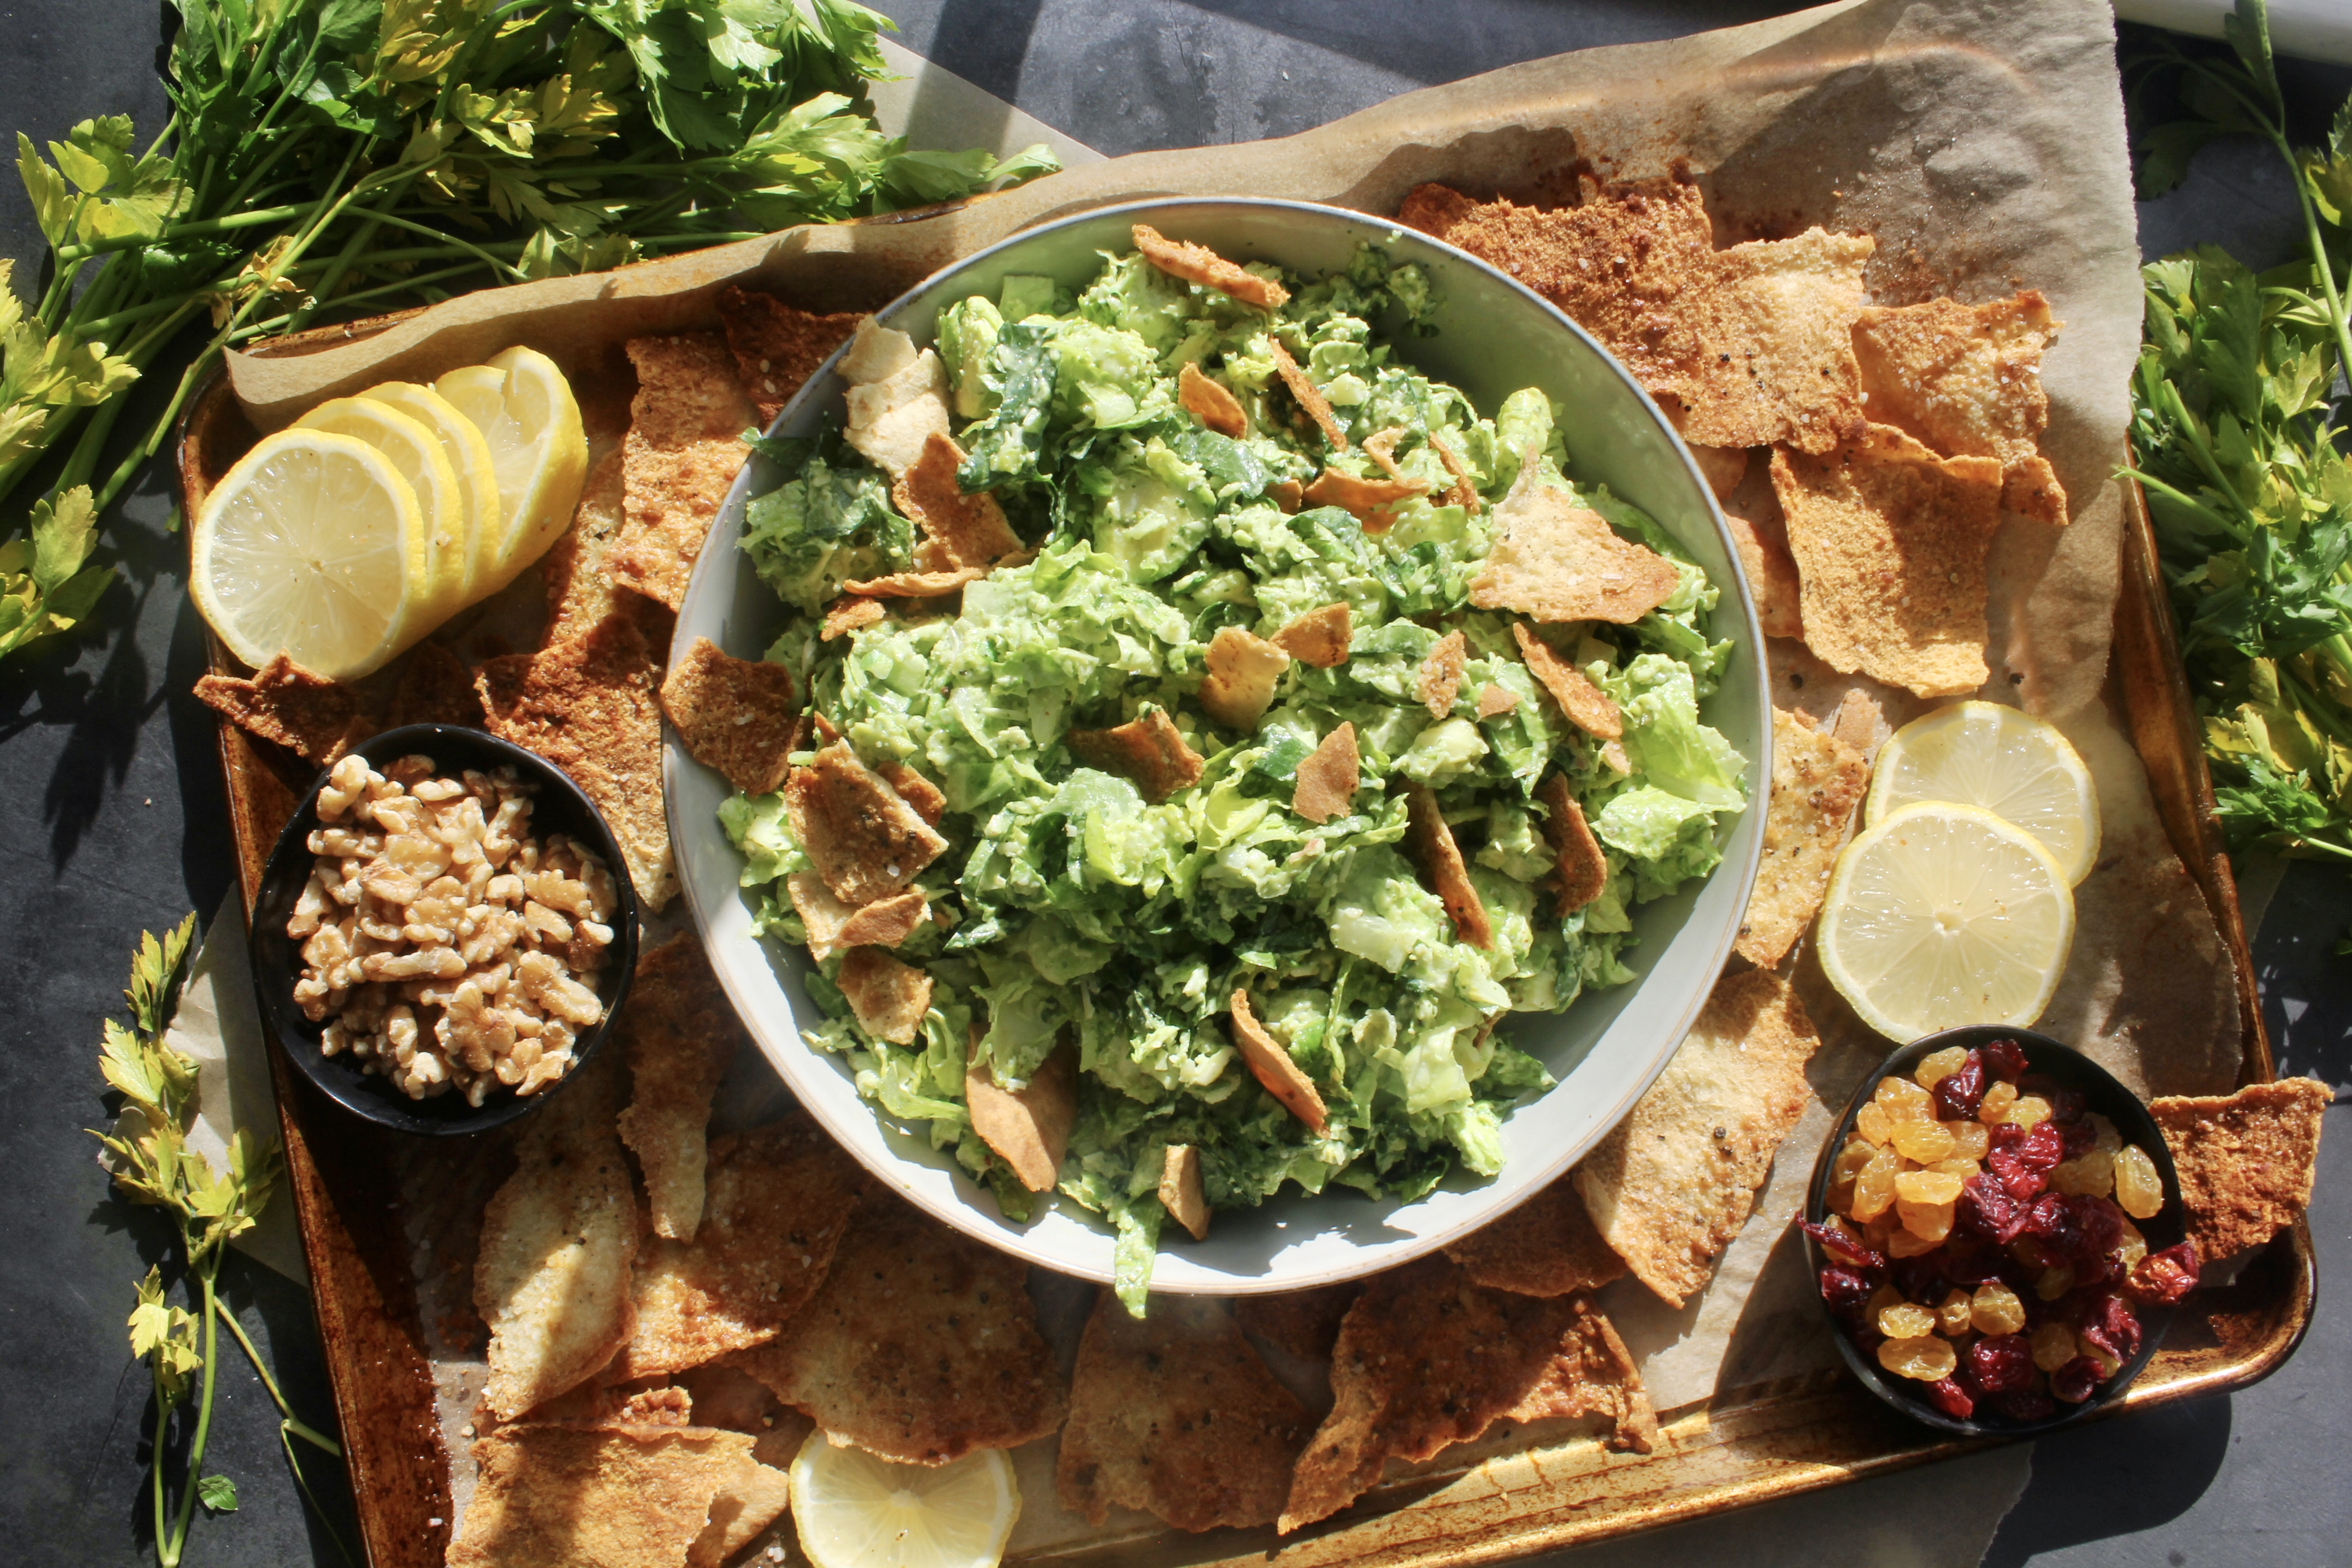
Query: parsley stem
{"x":326,"y":1443}
{"x":252,"y":218}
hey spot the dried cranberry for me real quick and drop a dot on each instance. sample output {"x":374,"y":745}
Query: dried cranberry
{"x":2005,"y":1135}
{"x":2078,"y":1137}
{"x":2026,"y":1169}
{"x":2098,"y":1273}
{"x":1921,"y":1278}
{"x":1968,"y":1261}
{"x":2026,"y":1404}
{"x":2163,"y":1278}
{"x":2076,"y":1381}
{"x":2067,"y":1105}
{"x":2005,"y":1059}
{"x":1958,"y":1093}
{"x":2098,"y":1227}
{"x":1846,"y":1293}
{"x":1843,"y":1247}
{"x":1951,"y":1399}
{"x":1985,"y":1209}
{"x":2111,"y":1325}
{"x":1999,"y":1364}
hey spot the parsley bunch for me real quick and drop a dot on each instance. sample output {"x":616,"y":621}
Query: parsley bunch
{"x":354,"y":156}
{"x":2236,"y":441}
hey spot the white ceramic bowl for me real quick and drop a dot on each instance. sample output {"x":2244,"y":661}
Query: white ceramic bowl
{"x":1493,"y":336}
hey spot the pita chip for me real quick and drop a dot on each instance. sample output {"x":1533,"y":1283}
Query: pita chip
{"x":777,"y":346}
{"x":1319,"y":637}
{"x":1303,"y":1324}
{"x":898,"y":398}
{"x":734,"y":715}
{"x":1149,"y":751}
{"x":1208,"y":401}
{"x":921,"y":1347}
{"x":588,"y":706}
{"x":1174,"y":1413}
{"x":1429,"y":843}
{"x":2245,"y":1159}
{"x":1028,"y":1128}
{"x":1817,"y":783}
{"x":679,"y":1032}
{"x":1722,"y":468}
{"x":1587,"y":707}
{"x":862,"y":836}
{"x":316,"y":719}
{"x":1554,"y":560}
{"x":563,"y":1497}
{"x":1493,"y":699}
{"x":1328,"y":779}
{"x":833,"y":925}
{"x":888,"y":997}
{"x":1592,"y":1373}
{"x":776,"y":1202}
{"x":931,"y":802}
{"x":917,"y":584}
{"x":1546,"y":1247}
{"x":1673,"y":1183}
{"x":1270,"y":1063}
{"x":1309,"y":396}
{"x":1771,"y":577}
{"x":1199,"y":264}
{"x":1582,"y":869}
{"x":1441,"y":675}
{"x":1776,"y":340}
{"x":1286,"y":494}
{"x":752,"y":1500}
{"x":848,"y":613}
{"x":1890,"y":542}
{"x":1967,"y":380}
{"x":436,"y":687}
{"x":969,"y":530}
{"x":1181,"y":1193}
{"x":1243,"y":670}
{"x":1372,"y":502}
{"x":683,"y":450}
{"x":1857,"y":721}
{"x":577,"y":569}
{"x":1464,"y":491}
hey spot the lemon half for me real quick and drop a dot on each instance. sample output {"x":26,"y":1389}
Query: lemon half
{"x":313,"y":543}
{"x":852,"y":1510}
{"x":1943,"y":915}
{"x":2012,"y":764}
{"x":416,"y":453}
{"x":469,"y":456}
{"x":524,"y":410}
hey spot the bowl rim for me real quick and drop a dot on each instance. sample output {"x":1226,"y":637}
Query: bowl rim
{"x":2042,"y":1054}
{"x":367,"y":1095}
{"x":1408,"y":1246}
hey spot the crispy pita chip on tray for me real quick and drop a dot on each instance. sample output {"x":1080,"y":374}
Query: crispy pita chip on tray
{"x":1427,"y":1358}
{"x":1329,"y":776}
{"x":1429,"y":843}
{"x":1177,"y":1416}
{"x":733,"y":714}
{"x":777,"y":346}
{"x":581,"y":585}
{"x":1303,"y":1324}
{"x":1776,"y":335}
{"x":434,"y":688}
{"x":1674,"y":1182}
{"x":1149,"y":751}
{"x":1817,"y":783}
{"x":922,"y":1346}
{"x":776,"y":1202}
{"x":1554,"y":560}
{"x":754,"y":1497}
{"x":1547,"y":1245}
{"x":679,"y":1032}
{"x":317,"y":719}
{"x":2245,"y":1159}
{"x":561,"y":1497}
{"x":1967,"y":380}
{"x":1199,"y":264}
{"x":684,"y":447}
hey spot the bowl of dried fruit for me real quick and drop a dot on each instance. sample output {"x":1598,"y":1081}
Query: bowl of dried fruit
{"x":439,"y":941}
{"x":1997,"y":1231}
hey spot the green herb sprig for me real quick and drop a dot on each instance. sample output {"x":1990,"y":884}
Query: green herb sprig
{"x":154,"y":1165}
{"x":339,"y":157}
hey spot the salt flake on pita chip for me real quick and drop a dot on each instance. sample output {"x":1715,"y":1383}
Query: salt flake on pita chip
{"x":1319,"y":637}
{"x":1554,"y":560}
{"x":1890,"y":542}
{"x":1441,"y":675}
{"x":862,"y":836}
{"x":971,"y":529}
{"x":680,"y":1032}
{"x":848,"y":613}
{"x":1546,"y":1247}
{"x":1817,"y":783}
{"x":1673,"y":1183}
{"x":2245,"y":1159}
{"x":560,"y":1497}
{"x":1243,"y":670}
{"x":888,"y":997}
{"x":1174,"y":1413}
{"x":777,"y":346}
{"x":317,"y":719}
{"x":1328,"y":777}
{"x":1271,"y":1065}
{"x":1493,"y":699}
{"x":833,"y":925}
{"x":1210,"y":402}
{"x":1587,"y":707}
{"x":1429,"y":842}
{"x":1775,"y":330}
{"x":734,"y":715}
{"x":1372,"y":502}
{"x":1028,"y":1128}
{"x":1967,"y":380}
{"x":684,"y":447}
{"x":1148,"y":750}
{"x":1180,"y":1189}
{"x":776,"y":1202}
{"x":1309,"y":396}
{"x":1199,"y":264}
{"x":922,"y":1346}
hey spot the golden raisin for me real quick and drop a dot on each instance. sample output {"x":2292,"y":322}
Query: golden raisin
{"x":1970,"y":1139}
{"x":1993,"y":1108}
{"x":1923,"y":1140}
{"x":1995,"y":1309}
{"x":2030,"y":1111}
{"x":1926,"y":1187}
{"x":1928,"y":1222}
{"x":1884,"y":1297}
{"x":1874,"y":1188}
{"x":2054,"y":1346}
{"x":2131,"y":1248}
{"x":2107,"y":1363}
{"x":2103,"y":1132}
{"x":1873,"y":1124}
{"x":1937,"y":1065}
{"x":1905,"y":1101}
{"x":2139,"y":1192}
{"x":1926,"y":1359}
{"x":1952,"y":1319}
{"x":1847,"y":1166}
{"x":1906,"y":1321}
{"x":1957,"y":1166}
{"x":1909,"y":1244}
{"x":2093,"y":1175}
{"x":2055,"y":1282}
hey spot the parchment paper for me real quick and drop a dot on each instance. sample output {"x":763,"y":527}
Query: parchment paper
{"x":1981,"y":142}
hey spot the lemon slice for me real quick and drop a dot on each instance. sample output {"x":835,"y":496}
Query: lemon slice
{"x":1943,"y":915}
{"x":854,"y":1510}
{"x":417,"y":454}
{"x":2010,"y":763}
{"x":312,"y":543}
{"x":469,"y":456}
{"x":524,"y":410}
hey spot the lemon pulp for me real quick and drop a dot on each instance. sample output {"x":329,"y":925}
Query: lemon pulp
{"x":852,"y":1510}
{"x":416,"y":453}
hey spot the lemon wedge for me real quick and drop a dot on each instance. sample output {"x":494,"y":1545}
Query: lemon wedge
{"x":1942,"y":915}
{"x":854,"y":1510}
{"x":469,"y":457}
{"x":312,"y":543}
{"x":524,"y":410}
{"x":2010,"y":763}
{"x":417,"y":454}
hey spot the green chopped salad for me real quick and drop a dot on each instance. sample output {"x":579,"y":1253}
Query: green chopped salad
{"x":1071,"y":911}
